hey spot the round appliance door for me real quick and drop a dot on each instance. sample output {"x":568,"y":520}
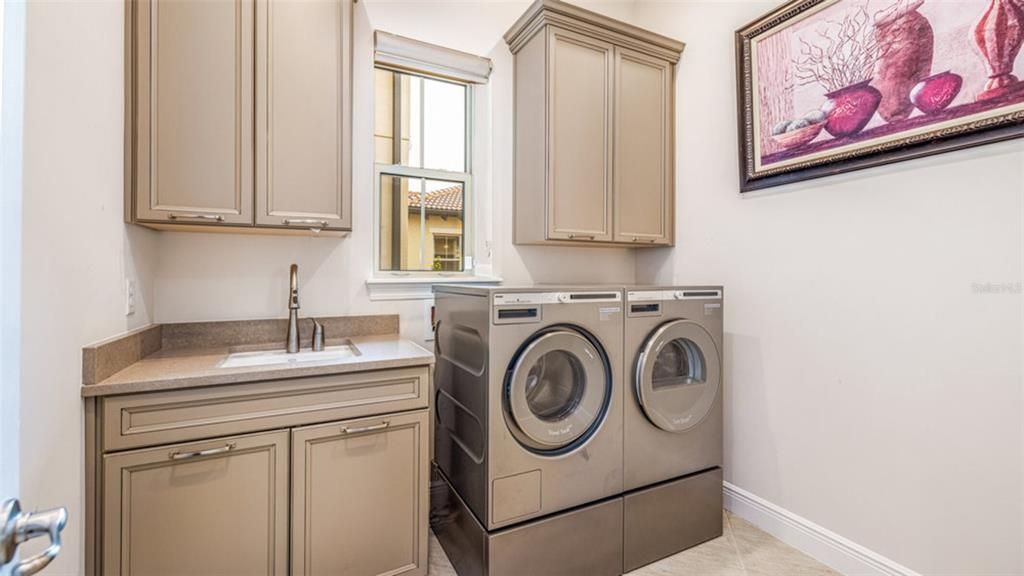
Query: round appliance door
{"x":557,"y":390}
{"x":678,"y":374}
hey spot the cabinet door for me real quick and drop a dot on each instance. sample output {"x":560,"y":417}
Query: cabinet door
{"x":359,"y":506}
{"x":212,"y":507}
{"x":303,"y":119}
{"x":580,"y":71}
{"x":643,"y":149}
{"x":194,"y":109}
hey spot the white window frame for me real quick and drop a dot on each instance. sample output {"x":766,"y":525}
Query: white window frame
{"x":415,"y":58}
{"x":463,"y":178}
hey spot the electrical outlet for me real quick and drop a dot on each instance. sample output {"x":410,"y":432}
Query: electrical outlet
{"x":129,"y":297}
{"x":428,"y":315}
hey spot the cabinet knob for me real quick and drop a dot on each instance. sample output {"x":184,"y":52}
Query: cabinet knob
{"x":581,"y":237}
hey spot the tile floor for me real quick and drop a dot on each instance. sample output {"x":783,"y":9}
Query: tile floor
{"x":743,"y":550}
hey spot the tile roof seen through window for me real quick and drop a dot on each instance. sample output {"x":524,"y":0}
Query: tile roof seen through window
{"x":447,"y":200}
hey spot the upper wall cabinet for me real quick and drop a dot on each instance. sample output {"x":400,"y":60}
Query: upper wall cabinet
{"x":239,"y":114}
{"x":594,"y":129}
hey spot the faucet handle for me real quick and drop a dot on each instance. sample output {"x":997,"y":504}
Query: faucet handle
{"x":318,"y":336}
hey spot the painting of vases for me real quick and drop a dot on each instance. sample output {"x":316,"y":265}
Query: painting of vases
{"x":828,"y":86}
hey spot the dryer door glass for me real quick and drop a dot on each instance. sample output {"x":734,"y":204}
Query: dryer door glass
{"x":557,"y":390}
{"x":678,"y":375}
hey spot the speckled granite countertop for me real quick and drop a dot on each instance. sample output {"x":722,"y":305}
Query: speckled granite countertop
{"x":136,"y":362}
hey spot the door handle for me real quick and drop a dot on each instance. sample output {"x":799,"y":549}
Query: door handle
{"x":208,"y":452}
{"x":313,"y":223}
{"x":213,"y":217}
{"x":381,"y":426}
{"x":21,"y":526}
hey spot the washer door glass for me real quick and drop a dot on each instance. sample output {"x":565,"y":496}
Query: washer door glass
{"x":678,"y":375}
{"x":557,"y":390}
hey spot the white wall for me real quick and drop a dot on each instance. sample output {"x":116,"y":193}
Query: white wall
{"x":76,"y":249}
{"x":12,"y":69}
{"x":869,"y":387}
{"x":220,"y":276}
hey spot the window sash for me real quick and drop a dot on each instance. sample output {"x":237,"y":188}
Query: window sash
{"x":463,"y":178}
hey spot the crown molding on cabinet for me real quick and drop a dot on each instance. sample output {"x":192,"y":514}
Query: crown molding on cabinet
{"x":576,"y":19}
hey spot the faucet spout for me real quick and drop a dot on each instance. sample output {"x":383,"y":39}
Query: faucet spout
{"x":293,"y":310}
{"x":293,"y":289}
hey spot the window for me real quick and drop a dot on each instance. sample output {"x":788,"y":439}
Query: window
{"x":422,"y":127}
{"x":422,"y":170}
{"x":447,"y":253}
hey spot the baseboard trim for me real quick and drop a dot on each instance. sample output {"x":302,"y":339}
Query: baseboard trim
{"x":816,"y":541}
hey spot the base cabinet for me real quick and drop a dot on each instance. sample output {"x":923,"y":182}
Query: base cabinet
{"x":212,"y":507}
{"x":332,"y":480}
{"x":359,"y":497}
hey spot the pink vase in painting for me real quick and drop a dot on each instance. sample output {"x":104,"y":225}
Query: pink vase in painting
{"x":935,"y":93}
{"x":849,"y":109}
{"x":909,"y":46}
{"x":999,"y":36}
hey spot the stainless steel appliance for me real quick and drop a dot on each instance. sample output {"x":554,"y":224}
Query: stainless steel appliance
{"x":672,"y":420}
{"x":529,"y":424}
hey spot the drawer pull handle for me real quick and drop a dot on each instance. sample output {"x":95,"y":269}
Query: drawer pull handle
{"x":305,"y":222}
{"x":581,"y":237}
{"x":381,"y":426}
{"x":208,"y":452}
{"x":214,"y":217}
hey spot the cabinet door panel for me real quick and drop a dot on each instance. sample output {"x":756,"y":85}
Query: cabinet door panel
{"x":643,"y":148}
{"x":194,"y":106}
{"x":303,"y":113}
{"x":580,"y":71}
{"x":359,"y":506}
{"x":171,"y":510}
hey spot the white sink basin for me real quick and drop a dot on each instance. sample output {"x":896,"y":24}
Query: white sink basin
{"x":328,"y":355}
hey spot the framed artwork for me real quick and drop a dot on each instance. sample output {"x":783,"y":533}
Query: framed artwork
{"x":830,"y":86}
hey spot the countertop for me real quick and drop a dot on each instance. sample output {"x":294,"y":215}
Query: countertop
{"x":174,"y":369}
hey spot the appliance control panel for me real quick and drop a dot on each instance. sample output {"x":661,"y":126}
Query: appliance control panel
{"x":668,"y":295}
{"x":534,"y":298}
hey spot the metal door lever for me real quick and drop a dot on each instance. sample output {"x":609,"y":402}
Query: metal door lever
{"x":18,"y":527}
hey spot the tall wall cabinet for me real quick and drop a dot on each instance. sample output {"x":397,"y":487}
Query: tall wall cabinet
{"x":239,"y":114}
{"x":594,"y":129}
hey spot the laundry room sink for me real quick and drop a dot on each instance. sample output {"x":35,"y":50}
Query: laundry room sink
{"x":328,"y":355}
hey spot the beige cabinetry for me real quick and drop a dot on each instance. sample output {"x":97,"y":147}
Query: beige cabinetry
{"x":303,"y":103}
{"x":594,"y":129}
{"x":643,"y":168}
{"x":360,"y":497}
{"x":323,"y":475}
{"x":194,"y":105}
{"x":212,"y":507}
{"x":239,"y":114}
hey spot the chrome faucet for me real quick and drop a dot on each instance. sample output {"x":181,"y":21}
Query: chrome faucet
{"x":293,"y":310}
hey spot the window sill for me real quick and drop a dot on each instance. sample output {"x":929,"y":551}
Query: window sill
{"x":418,"y":287}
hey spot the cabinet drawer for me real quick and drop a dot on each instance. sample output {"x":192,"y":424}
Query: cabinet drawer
{"x":153,"y":418}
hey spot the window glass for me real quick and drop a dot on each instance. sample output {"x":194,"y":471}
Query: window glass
{"x":420,"y":127}
{"x":420,"y":122}
{"x":421,"y":224}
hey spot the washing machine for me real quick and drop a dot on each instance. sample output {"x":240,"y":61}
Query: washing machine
{"x":672,"y":420}
{"x":528,"y":430}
